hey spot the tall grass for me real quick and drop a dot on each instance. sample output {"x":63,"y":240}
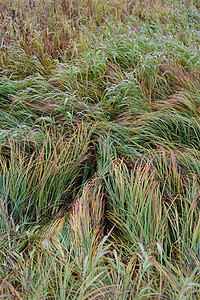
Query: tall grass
{"x":99,"y":140}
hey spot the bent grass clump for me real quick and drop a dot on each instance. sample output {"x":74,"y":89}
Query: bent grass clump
{"x":99,"y":139}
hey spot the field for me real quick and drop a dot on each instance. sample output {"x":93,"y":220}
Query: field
{"x":99,"y":149}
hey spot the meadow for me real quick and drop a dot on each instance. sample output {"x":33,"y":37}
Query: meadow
{"x":99,"y":149}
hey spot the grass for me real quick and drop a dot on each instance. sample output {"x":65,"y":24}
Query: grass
{"x":99,"y":140}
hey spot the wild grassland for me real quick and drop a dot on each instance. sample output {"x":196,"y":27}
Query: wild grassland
{"x":100,"y":149}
